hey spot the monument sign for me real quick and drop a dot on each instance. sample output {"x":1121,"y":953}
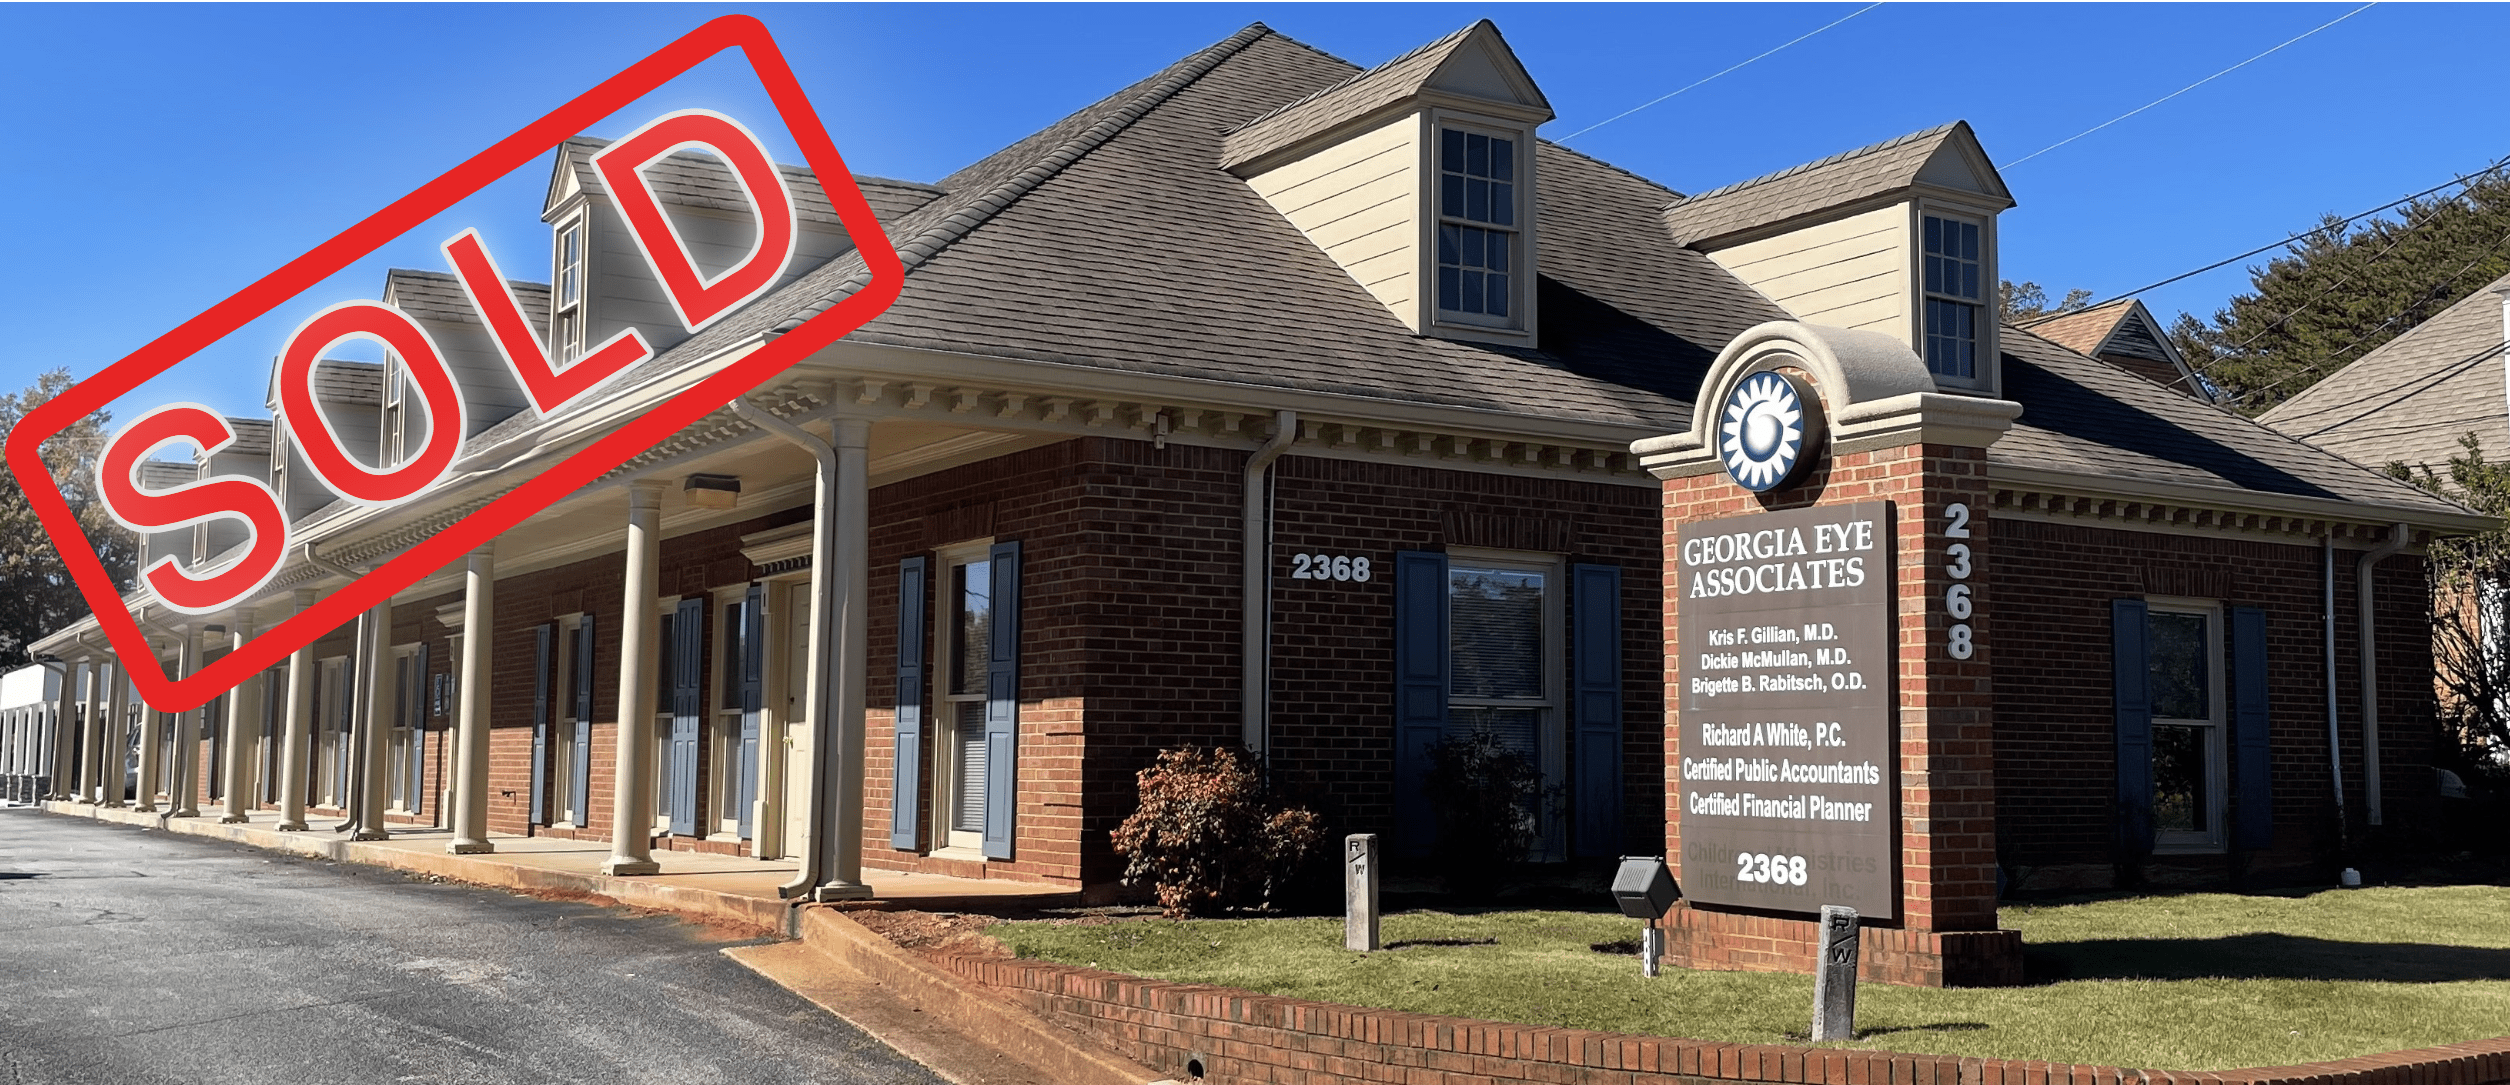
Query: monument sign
{"x":1785,"y":625}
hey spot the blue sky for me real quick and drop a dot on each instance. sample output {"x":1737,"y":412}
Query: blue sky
{"x":160,"y":158}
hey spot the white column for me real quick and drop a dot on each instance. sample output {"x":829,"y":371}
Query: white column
{"x":92,"y":758}
{"x":375,"y":724}
{"x":243,"y":706}
{"x":470,"y":756}
{"x":184,"y":793}
{"x":841,"y":836}
{"x":631,"y":792}
{"x":296,"y":748}
{"x":117,"y":732}
{"x":152,"y":769}
{"x":65,"y":763}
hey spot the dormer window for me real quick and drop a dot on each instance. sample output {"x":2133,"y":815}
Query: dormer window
{"x":567,"y":300}
{"x":396,"y":422}
{"x":1477,"y":227}
{"x":1953,"y":273}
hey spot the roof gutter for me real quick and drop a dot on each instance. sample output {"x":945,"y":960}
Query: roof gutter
{"x":2366,"y":641}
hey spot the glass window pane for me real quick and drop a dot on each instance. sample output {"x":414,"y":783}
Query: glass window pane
{"x":1451,"y":150}
{"x":967,"y":815}
{"x":1476,"y":199}
{"x":1470,"y":297}
{"x":2176,"y":648}
{"x":1934,"y":236}
{"x":2181,"y":783}
{"x":1477,"y":155}
{"x":1515,"y":728}
{"x":1934,"y":275}
{"x":1451,"y":194}
{"x":1503,"y":204}
{"x":728,"y":676}
{"x":1498,"y":286}
{"x":1503,"y":159}
{"x":1969,"y":281}
{"x":1969,"y":241}
{"x":1449,"y":245}
{"x":1450,"y":291}
{"x":1495,"y":632}
{"x":1470,"y":244}
{"x":971,"y":625}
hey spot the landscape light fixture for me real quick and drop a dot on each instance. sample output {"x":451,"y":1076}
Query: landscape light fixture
{"x":712,"y":491}
{"x":1645,"y":890}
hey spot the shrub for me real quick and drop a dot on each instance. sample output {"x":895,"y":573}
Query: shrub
{"x":1484,"y":796}
{"x":1206,"y":836}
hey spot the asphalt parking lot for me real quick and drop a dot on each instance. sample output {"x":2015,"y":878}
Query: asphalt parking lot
{"x":130,"y":955}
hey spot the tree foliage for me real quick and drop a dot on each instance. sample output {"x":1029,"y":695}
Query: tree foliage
{"x":2470,"y":614}
{"x":2340,"y":291}
{"x":40,"y":597}
{"x":2018,"y":303}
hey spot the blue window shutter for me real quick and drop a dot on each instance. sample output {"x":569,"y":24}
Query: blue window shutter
{"x":545,"y":657}
{"x":582,"y":812}
{"x":2252,"y":747}
{"x":753,"y":694}
{"x":688,"y":711}
{"x":2131,"y":679}
{"x":906,"y":773}
{"x":1595,"y":641}
{"x":1002,"y":703}
{"x":1420,"y":690}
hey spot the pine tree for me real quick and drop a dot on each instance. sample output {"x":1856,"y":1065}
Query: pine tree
{"x":40,"y":595}
{"x":2340,"y":291}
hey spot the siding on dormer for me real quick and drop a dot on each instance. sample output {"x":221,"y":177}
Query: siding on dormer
{"x":1851,"y":272}
{"x":1359,"y":200}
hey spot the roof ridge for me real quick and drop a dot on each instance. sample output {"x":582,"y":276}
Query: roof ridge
{"x":2044,"y":318}
{"x":941,"y":235}
{"x":1285,"y":107}
{"x":2328,"y":382}
{"x":1843,"y":156}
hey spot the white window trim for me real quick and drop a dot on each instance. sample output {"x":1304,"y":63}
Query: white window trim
{"x":2212,"y":839}
{"x":567,"y":348}
{"x":1551,"y":724}
{"x":328,"y":733}
{"x":660,"y":680}
{"x":561,"y":799}
{"x":723,"y":725}
{"x":400,"y":747}
{"x":941,"y":718}
{"x":1989,"y":378}
{"x":1520,"y":327}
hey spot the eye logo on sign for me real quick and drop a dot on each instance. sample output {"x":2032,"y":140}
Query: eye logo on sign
{"x":1763,"y":434}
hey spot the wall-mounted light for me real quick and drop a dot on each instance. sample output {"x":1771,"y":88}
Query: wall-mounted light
{"x":712,"y":491}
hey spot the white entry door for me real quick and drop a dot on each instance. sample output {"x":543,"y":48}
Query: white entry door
{"x":795,"y":630}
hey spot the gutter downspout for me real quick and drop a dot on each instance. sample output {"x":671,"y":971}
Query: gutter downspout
{"x":2366,"y":641}
{"x":1255,"y":624}
{"x":817,"y":700}
{"x":2335,"y":748}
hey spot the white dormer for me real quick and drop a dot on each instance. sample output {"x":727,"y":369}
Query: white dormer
{"x":1417,"y":178}
{"x":1898,"y":238}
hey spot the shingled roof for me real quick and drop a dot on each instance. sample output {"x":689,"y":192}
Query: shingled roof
{"x":690,"y":179}
{"x":2122,"y":333}
{"x":1839,"y":181}
{"x":438,"y":296}
{"x":1387,"y":84}
{"x":2410,"y":400}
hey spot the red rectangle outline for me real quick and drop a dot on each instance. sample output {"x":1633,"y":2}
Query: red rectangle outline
{"x":122,"y":631}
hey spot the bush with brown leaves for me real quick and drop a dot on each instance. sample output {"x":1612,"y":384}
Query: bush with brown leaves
{"x":1206,"y":836}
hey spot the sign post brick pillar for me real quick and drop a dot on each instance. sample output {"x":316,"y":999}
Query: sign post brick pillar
{"x":1874,"y":781}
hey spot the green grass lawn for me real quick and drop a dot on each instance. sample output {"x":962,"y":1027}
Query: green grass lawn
{"x":2189,"y":982}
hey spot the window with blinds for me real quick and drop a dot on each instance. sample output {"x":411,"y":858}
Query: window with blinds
{"x":1498,"y":622}
{"x":965,"y":636}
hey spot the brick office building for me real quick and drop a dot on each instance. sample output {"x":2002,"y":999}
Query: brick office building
{"x":1367,"y":329}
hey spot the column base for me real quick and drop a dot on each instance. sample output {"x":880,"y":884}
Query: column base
{"x":234,"y":819}
{"x":620,"y":866}
{"x":1742,"y":942}
{"x":470,"y":847}
{"x":836,"y":891}
{"x":291,"y":826}
{"x":371,"y":834}
{"x":143,"y":808}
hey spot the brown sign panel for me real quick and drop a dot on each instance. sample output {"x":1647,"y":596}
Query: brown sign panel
{"x":1787,"y":674}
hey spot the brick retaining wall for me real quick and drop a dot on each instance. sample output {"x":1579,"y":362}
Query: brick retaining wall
{"x":1244,"y":1037}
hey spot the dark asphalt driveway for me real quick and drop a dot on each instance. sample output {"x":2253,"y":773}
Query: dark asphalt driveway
{"x":129,"y":956}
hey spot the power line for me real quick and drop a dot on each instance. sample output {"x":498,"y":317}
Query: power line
{"x":2288,"y":239}
{"x":2436,"y":290}
{"x":1662,"y":97}
{"x":2185,"y":89}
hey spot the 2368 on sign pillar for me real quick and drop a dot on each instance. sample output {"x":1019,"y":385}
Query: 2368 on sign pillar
{"x":698,"y":301}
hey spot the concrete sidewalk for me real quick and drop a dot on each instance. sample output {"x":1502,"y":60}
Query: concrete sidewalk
{"x":712,"y":888}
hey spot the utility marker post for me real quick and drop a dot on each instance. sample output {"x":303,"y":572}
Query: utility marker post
{"x":1359,"y":893}
{"x":1834,"y":976}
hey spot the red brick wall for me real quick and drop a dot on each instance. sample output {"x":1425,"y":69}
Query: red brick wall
{"x":1243,"y":1037}
{"x":2055,"y":737}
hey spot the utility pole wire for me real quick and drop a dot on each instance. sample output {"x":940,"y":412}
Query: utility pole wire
{"x":2185,"y":89}
{"x":1659,"y":98}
